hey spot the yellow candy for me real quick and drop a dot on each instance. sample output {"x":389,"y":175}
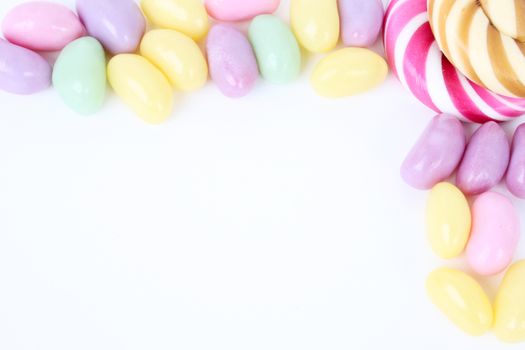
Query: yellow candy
{"x":509,"y":306}
{"x":315,"y":24}
{"x":177,"y":56}
{"x":141,"y":85}
{"x":348,"y":72}
{"x":461,"y":299}
{"x":448,"y":220}
{"x":187,"y":16}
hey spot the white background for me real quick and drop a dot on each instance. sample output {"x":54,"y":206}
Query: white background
{"x":278,"y":221}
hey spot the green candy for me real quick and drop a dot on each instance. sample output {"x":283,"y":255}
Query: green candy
{"x":276,"y":49}
{"x":79,"y":75}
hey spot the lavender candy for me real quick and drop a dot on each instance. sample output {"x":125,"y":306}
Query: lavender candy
{"x":516,"y":172}
{"x":361,"y":21}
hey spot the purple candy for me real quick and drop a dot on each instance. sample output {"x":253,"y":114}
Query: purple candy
{"x":485,"y":161}
{"x":118,"y":24}
{"x":233,"y":66}
{"x":22,"y":71}
{"x":516,"y":172}
{"x":361,"y":21}
{"x":436,"y":154}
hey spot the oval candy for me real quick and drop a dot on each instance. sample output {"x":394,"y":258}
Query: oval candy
{"x":348,"y":72}
{"x":118,"y":24}
{"x":142,"y":86}
{"x":233,"y":66}
{"x":240,"y":10}
{"x":516,"y":173}
{"x":22,"y":71}
{"x":79,"y":75}
{"x":495,"y":234}
{"x":361,"y":21}
{"x":41,"y":26}
{"x":177,"y":56}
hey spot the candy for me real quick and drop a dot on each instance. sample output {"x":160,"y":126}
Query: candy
{"x":186,"y":16}
{"x":509,"y":306}
{"x":485,"y":161}
{"x":436,"y":154}
{"x":348,"y":72}
{"x":141,"y":85}
{"x":177,"y":56}
{"x":508,"y":16}
{"x":276,"y":49}
{"x":22,"y":71}
{"x":516,"y":172}
{"x":461,"y":299}
{"x":117,"y":24}
{"x":41,"y":26}
{"x":361,"y":21}
{"x":315,"y":24}
{"x":448,"y":220}
{"x":421,"y":67}
{"x":233,"y":66}
{"x":79,"y":75}
{"x":239,"y":10}
{"x":495,"y":234}
{"x":476,"y":48}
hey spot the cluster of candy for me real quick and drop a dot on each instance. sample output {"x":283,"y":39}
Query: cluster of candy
{"x":146,"y":67}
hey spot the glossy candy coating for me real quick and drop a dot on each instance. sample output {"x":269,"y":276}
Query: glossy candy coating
{"x":509,"y":306}
{"x":240,"y":10}
{"x":508,"y":16}
{"x":315,"y":24}
{"x":117,"y":24}
{"x":515,"y":178}
{"x":461,"y":299}
{"x":436,"y":154}
{"x":232,"y":62}
{"x":448,"y":220}
{"x":79,"y":75}
{"x":41,"y":26}
{"x":278,"y":53}
{"x":177,"y":56}
{"x":142,"y":86}
{"x":485,"y":161}
{"x":22,"y":71}
{"x":361,"y":21}
{"x":186,"y":16}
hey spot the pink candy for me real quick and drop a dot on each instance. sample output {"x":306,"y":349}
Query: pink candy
{"x":240,"y":10}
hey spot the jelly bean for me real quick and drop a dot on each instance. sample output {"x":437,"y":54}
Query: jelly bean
{"x":240,"y":10}
{"x":42,"y":26}
{"x":177,"y":56}
{"x":278,"y":53}
{"x":186,"y":16}
{"x":315,"y":24}
{"x":436,"y":154}
{"x":141,"y":85}
{"x":448,"y":220}
{"x":516,"y":172}
{"x":22,"y":71}
{"x":117,"y":24}
{"x":233,"y":66}
{"x":361,"y":21}
{"x":79,"y":75}
{"x":509,"y":306}
{"x":349,"y":71}
{"x":485,"y":161}
{"x":461,"y":299}
{"x":495,"y":234}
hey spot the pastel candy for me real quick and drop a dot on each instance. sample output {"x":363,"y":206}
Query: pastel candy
{"x":232,"y":62}
{"x":361,"y":21}
{"x":485,"y":161}
{"x":41,"y":26}
{"x":22,"y":71}
{"x":516,"y":172}
{"x":239,"y":10}
{"x":495,"y":234}
{"x":186,"y":16}
{"x":117,"y":24}
{"x":276,"y":49}
{"x":79,"y":75}
{"x":436,"y":154}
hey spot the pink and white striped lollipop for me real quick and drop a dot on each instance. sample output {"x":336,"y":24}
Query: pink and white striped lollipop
{"x":421,"y":67}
